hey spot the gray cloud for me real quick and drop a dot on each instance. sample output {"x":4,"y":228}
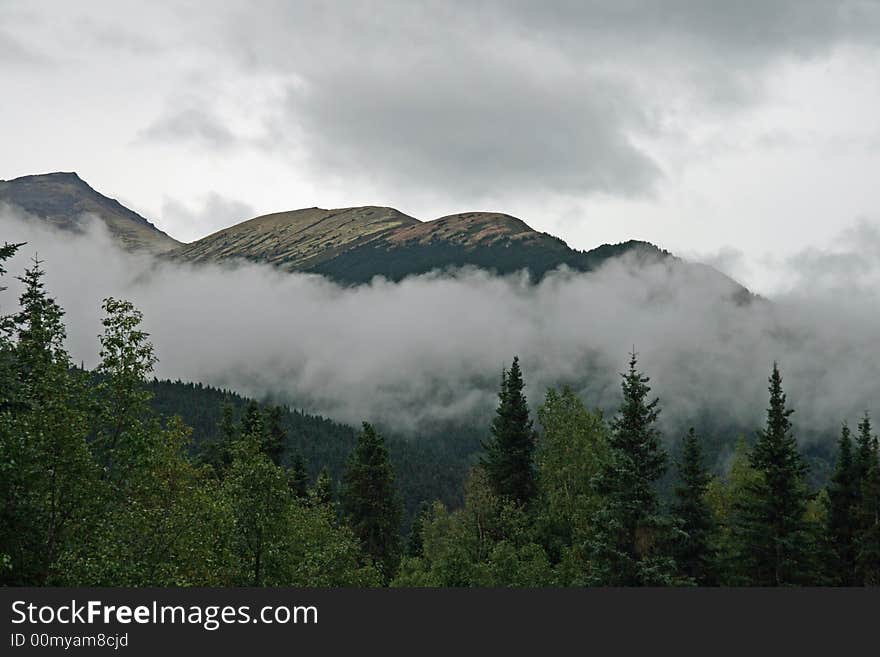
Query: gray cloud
{"x":851,"y":265}
{"x":215,"y":213}
{"x":431,"y":348}
{"x":479,"y":98}
{"x":121,"y":40}
{"x":478,"y":130}
{"x":13,"y":51}
{"x":189,"y":123}
{"x":455,"y":102}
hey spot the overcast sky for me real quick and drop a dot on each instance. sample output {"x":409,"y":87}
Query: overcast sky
{"x":741,"y":133}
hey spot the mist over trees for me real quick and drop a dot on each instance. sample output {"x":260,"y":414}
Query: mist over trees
{"x":100,"y":488}
{"x":319,"y":341}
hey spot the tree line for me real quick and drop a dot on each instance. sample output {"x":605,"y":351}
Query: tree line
{"x":98,"y":488}
{"x":577,"y":504}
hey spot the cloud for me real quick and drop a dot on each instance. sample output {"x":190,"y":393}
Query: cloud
{"x":431,"y":348}
{"x":475,"y":128}
{"x":482,"y":98}
{"x":13,"y":51}
{"x":190,"y":124}
{"x":216,"y":212}
{"x":849,"y":266}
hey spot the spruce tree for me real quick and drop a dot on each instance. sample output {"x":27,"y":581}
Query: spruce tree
{"x":48,"y":478}
{"x":868,"y":507}
{"x":629,"y":544}
{"x":298,"y":477}
{"x":217,"y":450}
{"x":843,"y":494}
{"x":252,"y":421}
{"x":864,"y":451}
{"x":321,"y":493}
{"x":370,"y":501}
{"x":509,"y":453}
{"x":415,"y":543}
{"x":776,"y":542}
{"x":275,"y":438}
{"x":693,"y":546}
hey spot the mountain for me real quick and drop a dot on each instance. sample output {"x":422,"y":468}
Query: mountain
{"x":347,"y":245}
{"x":63,"y":198}
{"x":352,"y":245}
{"x":297,"y":240}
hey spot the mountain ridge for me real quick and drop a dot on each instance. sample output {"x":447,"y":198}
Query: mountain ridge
{"x":348,"y":245}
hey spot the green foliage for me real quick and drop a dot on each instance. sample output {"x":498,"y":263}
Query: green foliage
{"x":867,"y":513}
{"x":101,"y":484}
{"x":488,"y":542}
{"x":726,"y":496}
{"x":693,"y":542}
{"x":252,"y":423}
{"x":370,"y":502}
{"x":629,"y":544}
{"x":298,"y":478}
{"x":322,"y":493}
{"x":124,"y":420}
{"x":415,"y":544}
{"x":279,"y":540}
{"x":572,"y":451}
{"x":259,"y":495}
{"x":275,"y":438}
{"x":96,"y":491}
{"x":46,"y":466}
{"x":771,"y":523}
{"x":165,"y":525}
{"x":509,"y":457}
{"x":216,"y":451}
{"x":843,"y":497}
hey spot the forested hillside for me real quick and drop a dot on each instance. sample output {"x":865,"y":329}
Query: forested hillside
{"x":428,"y":466}
{"x":102,"y":484}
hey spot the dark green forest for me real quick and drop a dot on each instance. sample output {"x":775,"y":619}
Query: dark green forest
{"x":111,"y":477}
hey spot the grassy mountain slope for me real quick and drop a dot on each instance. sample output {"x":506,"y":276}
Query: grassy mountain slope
{"x":299,"y":239}
{"x":352,"y":245}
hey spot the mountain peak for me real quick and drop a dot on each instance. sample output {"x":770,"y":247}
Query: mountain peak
{"x":63,"y":198}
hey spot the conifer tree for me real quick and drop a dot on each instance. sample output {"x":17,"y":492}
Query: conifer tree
{"x":217,"y":450}
{"x":322,"y":491}
{"x":228,"y":430}
{"x":48,"y":475}
{"x":252,"y":421}
{"x":868,"y":508}
{"x":693,"y":546}
{"x":298,"y":477}
{"x":776,"y":542}
{"x":275,"y":437}
{"x":370,"y":501}
{"x":628,"y":548}
{"x":415,"y":544}
{"x":509,"y":453}
{"x":864,"y":451}
{"x":843,"y":495}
